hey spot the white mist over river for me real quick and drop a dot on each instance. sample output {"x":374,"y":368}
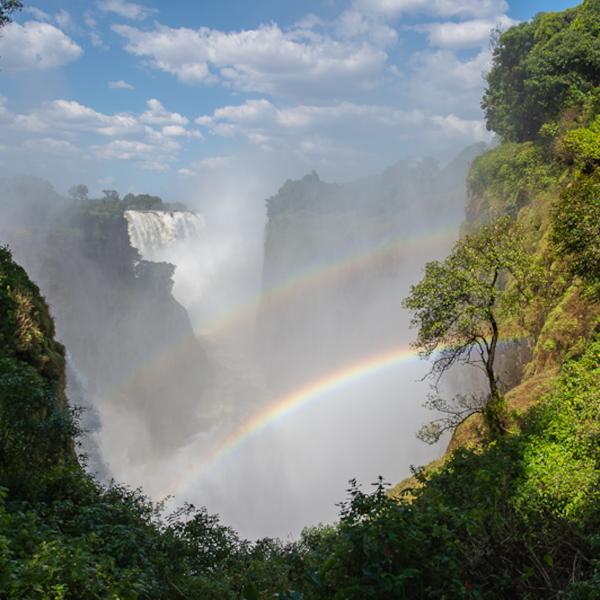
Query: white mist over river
{"x":305,"y":400}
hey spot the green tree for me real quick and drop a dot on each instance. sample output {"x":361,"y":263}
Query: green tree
{"x":6,"y":8}
{"x":111,"y":195}
{"x":542,"y":67}
{"x":79,"y":193}
{"x":143,"y":202}
{"x":459,"y":303}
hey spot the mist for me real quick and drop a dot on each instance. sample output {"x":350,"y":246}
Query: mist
{"x":229,"y":287}
{"x":276,"y":286}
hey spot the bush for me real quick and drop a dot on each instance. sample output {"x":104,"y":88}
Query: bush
{"x":576,"y":227}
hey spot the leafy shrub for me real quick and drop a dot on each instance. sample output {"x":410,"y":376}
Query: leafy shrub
{"x":582,"y":146}
{"x":504,"y":179}
{"x":576,"y":226}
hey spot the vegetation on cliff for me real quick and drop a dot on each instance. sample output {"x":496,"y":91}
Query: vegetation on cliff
{"x":112,"y":203}
{"x":516,"y":518}
{"x":507,"y":516}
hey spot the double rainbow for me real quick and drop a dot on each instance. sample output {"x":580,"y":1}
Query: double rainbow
{"x":296,"y":286}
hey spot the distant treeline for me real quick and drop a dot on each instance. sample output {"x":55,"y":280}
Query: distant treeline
{"x":112,"y":201}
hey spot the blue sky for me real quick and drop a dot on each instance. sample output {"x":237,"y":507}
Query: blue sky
{"x":155,"y":96}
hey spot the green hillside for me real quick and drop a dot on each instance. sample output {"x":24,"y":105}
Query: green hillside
{"x":511,"y":511}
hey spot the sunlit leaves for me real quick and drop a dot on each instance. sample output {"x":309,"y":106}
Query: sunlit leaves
{"x":456,"y":303}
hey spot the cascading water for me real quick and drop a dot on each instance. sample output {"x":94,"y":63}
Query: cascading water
{"x":153,"y":231}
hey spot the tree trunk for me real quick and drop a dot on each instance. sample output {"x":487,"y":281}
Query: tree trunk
{"x":494,"y":407}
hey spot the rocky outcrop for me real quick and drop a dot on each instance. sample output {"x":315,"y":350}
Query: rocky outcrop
{"x":128,"y":337}
{"x":339,"y":258}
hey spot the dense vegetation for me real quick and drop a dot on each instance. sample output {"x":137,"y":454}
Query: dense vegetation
{"x":515,"y":515}
{"x":112,"y":203}
{"x":542,"y":68}
{"x":519,"y":517}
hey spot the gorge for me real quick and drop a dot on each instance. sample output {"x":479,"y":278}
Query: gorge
{"x":266,"y":341}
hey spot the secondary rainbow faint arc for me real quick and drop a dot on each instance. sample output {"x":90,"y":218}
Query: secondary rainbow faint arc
{"x":321,"y":271}
{"x":288,"y":404}
{"x":291,"y":287}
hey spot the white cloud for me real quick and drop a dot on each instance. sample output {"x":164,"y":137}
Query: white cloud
{"x":49,"y":145}
{"x":89,"y":20}
{"x":442,"y":82}
{"x":210,"y":163}
{"x":158,"y":115}
{"x":266,"y":59}
{"x":186,"y":172}
{"x":97,"y":40}
{"x":37,"y":13}
{"x":436,"y":8}
{"x":256,"y":114}
{"x":149,"y":154}
{"x":63,"y":19}
{"x":154,"y":165}
{"x":120,"y":85}
{"x":71,"y":116}
{"x":353,"y":23}
{"x":174,"y":131}
{"x":311,"y":132}
{"x":213,"y":162}
{"x":463,"y":34}
{"x":95,"y":37}
{"x":35,"y":45}
{"x":454,"y":126}
{"x":3,"y":110}
{"x":125,"y":150}
{"x":127,"y":10}
{"x":152,"y":140}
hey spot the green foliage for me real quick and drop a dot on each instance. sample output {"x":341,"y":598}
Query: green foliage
{"x":576,"y":226}
{"x":459,"y":302}
{"x":503,"y":180}
{"x":148,"y":202}
{"x":452,"y":304}
{"x":26,"y":327}
{"x":518,"y":519}
{"x":79,"y":192}
{"x":582,"y":146}
{"x":542,"y":67}
{"x":36,"y":429}
{"x":113,"y":204}
{"x":561,"y":462}
{"x":6,"y":8}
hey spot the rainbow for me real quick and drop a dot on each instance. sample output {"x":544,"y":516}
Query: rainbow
{"x":293,"y":287}
{"x":287,"y":405}
{"x":320,"y":272}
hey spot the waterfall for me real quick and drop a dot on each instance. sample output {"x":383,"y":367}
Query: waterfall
{"x":152,"y":231}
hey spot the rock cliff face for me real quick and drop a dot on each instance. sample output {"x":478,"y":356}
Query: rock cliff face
{"x":339,"y":257}
{"x":129,"y":339}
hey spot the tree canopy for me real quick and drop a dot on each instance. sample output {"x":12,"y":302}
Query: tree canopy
{"x":459,"y":302}
{"x":541,"y":68}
